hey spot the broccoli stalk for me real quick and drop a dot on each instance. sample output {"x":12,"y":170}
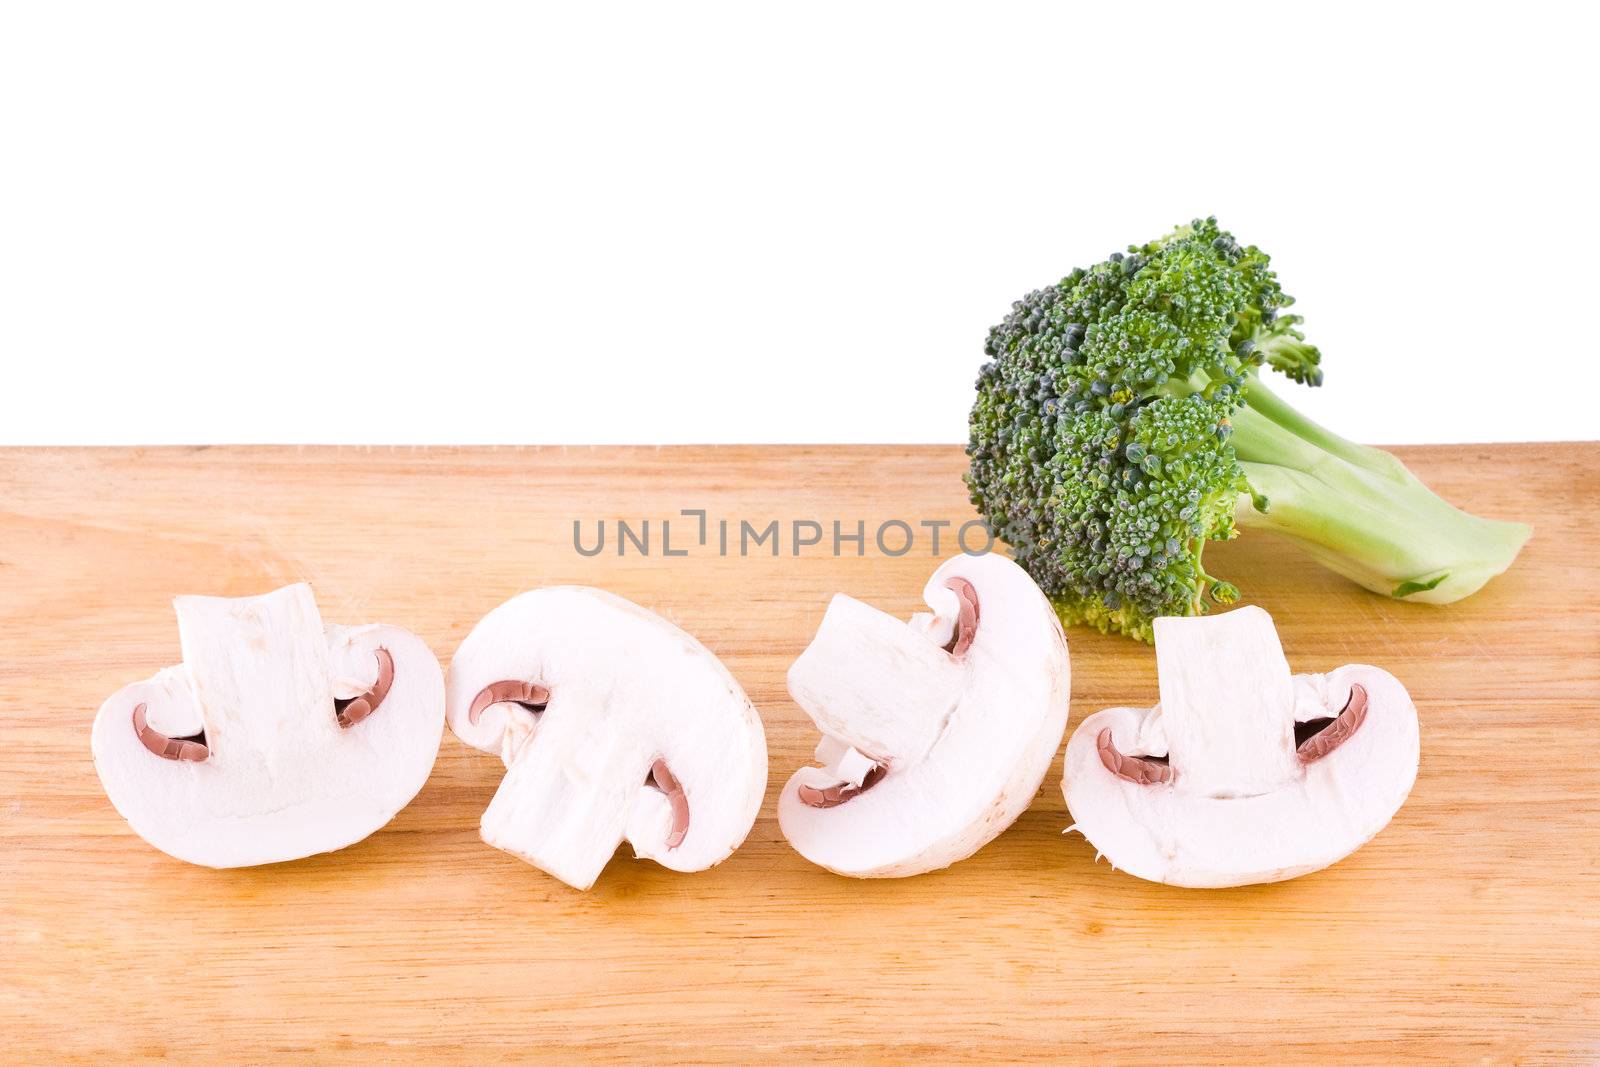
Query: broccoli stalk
{"x":1358,"y":511}
{"x":1122,"y":424}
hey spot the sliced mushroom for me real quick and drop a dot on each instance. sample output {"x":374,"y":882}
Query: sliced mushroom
{"x":276,"y":738}
{"x":936,"y":733}
{"x":1242,"y":773}
{"x":614,"y":725}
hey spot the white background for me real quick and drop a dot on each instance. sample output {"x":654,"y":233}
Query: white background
{"x":660,"y":223}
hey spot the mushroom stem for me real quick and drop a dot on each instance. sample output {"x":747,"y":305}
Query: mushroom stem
{"x":900,"y":706}
{"x":1227,"y":703}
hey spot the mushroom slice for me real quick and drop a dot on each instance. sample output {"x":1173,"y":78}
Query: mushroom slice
{"x":936,"y":733}
{"x":276,"y":738}
{"x":1242,"y":773}
{"x":613,"y":725}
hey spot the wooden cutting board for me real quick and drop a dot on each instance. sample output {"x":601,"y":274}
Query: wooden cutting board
{"x":1469,"y":931}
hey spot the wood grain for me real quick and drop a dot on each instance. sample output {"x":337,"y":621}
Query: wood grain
{"x":1468,"y":931}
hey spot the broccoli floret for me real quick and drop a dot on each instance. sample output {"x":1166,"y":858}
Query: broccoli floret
{"x":1121,"y":423}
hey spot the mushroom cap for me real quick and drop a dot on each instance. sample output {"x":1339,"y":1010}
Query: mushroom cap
{"x":964,"y":735}
{"x":281,"y":778}
{"x":1200,"y":827}
{"x":629,"y":699}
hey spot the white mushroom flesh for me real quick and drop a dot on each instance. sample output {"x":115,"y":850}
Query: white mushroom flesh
{"x":614,"y":725}
{"x":241,"y":755}
{"x":937,"y":732}
{"x":1210,"y":788}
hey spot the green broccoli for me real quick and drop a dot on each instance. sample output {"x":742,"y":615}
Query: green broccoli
{"x":1121,"y":424}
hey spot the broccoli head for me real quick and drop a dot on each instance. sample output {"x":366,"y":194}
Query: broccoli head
{"x":1121,"y":423}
